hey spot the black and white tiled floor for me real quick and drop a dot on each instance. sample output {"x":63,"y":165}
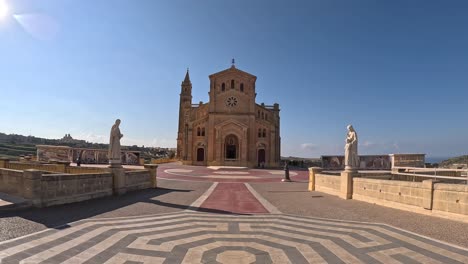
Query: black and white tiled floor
{"x":195,"y":237}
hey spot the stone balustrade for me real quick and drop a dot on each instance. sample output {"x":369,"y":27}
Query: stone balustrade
{"x":425,"y":196}
{"x":52,"y":184}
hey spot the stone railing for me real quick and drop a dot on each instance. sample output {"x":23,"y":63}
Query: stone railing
{"x":164,"y":160}
{"x":43,"y":188}
{"x":430,"y":195}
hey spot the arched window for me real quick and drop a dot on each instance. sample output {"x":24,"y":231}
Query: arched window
{"x":259,"y":133}
{"x":266,"y":116}
{"x":198,"y":131}
{"x":232,"y":84}
{"x":203,"y":132}
{"x":264,"y":132}
{"x":223,"y":87}
{"x":263,"y":116}
{"x":241,"y":87}
{"x":258,"y":114}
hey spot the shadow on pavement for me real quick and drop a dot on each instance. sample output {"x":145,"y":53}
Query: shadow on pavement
{"x":60,"y":215}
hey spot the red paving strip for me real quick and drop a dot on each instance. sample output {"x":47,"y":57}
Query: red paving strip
{"x":234,"y":198}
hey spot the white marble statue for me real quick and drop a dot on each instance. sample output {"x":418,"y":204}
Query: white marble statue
{"x":114,"y":143}
{"x":351,"y":149}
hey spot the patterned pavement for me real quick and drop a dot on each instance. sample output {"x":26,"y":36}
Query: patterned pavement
{"x":229,"y":223}
{"x":195,"y":237}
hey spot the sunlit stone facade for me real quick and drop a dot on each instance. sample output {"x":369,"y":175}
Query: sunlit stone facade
{"x":231,"y":129}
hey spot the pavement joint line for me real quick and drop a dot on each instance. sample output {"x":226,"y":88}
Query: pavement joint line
{"x":271,"y":208}
{"x":204,"y":196}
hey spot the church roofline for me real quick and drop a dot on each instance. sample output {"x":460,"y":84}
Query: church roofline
{"x":232,"y":69}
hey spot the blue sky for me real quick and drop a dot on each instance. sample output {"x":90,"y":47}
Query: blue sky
{"x":396,"y":70}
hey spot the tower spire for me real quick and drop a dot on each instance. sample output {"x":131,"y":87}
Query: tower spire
{"x":233,"y":63}
{"x":187,"y":77}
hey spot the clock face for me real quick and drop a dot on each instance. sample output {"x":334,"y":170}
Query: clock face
{"x":231,"y":101}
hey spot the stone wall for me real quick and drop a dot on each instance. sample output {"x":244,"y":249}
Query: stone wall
{"x":67,"y":188}
{"x":327,"y":183}
{"x":452,"y":198}
{"x":429,"y":196}
{"x":409,"y":193}
{"x":37,"y":166}
{"x":137,"y":180}
{"x":11,"y":181}
{"x":46,"y":188}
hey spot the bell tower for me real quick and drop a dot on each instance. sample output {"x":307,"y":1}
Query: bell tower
{"x":184,"y":105}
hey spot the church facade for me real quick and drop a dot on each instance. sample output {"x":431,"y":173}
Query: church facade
{"x":231,"y":129}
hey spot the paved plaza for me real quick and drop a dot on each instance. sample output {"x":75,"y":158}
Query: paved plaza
{"x":228,"y":215}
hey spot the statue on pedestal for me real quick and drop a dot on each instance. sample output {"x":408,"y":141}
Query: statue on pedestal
{"x":114,"y":144}
{"x":351,"y":150}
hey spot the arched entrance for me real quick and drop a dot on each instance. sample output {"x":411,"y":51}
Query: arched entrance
{"x":200,"y":154}
{"x":232,"y":147}
{"x":261,"y":157}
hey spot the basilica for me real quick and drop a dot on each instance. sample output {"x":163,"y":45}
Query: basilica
{"x":231,"y":129}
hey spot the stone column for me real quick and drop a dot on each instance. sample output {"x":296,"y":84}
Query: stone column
{"x":346,"y":189}
{"x":153,"y":168}
{"x":312,"y":172}
{"x":32,"y":187}
{"x":118,"y":179}
{"x":4,"y":163}
{"x":428,"y":193}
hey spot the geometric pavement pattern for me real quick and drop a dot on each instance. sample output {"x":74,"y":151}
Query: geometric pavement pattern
{"x":197,"y":237}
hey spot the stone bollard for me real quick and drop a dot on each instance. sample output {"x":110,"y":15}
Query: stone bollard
{"x":312,"y":172}
{"x":153,"y":168}
{"x":286,"y":173}
{"x":4,"y":163}
{"x":32,"y":186}
{"x":346,"y":189}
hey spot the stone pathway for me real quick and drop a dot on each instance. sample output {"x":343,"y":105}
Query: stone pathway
{"x":230,"y":222}
{"x":194,"y":237}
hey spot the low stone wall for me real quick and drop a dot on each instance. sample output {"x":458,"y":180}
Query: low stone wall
{"x":326,"y":183}
{"x":137,"y":180}
{"x":68,"y":188}
{"x":80,"y":170}
{"x":452,"y":198}
{"x":36,"y":166}
{"x":11,"y":181}
{"x":409,"y":193}
{"x":43,"y":188}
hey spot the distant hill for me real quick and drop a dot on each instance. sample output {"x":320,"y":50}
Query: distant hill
{"x":460,"y":161}
{"x":13,"y":146}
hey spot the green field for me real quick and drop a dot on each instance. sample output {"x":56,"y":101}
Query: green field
{"x":15,"y":150}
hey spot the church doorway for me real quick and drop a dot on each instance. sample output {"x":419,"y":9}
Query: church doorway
{"x":261,"y":157}
{"x":231,"y":146}
{"x":200,"y":154}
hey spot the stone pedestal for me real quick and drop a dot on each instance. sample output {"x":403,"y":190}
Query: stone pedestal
{"x":118,"y":178}
{"x":346,"y":190}
{"x":312,"y":172}
{"x":153,"y":168}
{"x":32,"y":186}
